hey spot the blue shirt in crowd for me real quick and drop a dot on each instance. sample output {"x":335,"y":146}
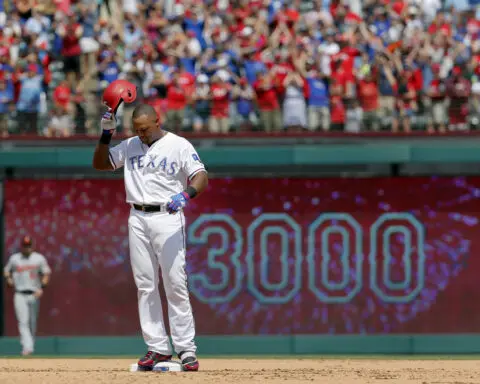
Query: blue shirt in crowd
{"x":318,"y":92}
{"x":6,"y":97}
{"x":29,"y":98}
{"x":252,"y":67}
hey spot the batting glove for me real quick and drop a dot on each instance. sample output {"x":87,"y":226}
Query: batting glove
{"x":108,"y":123}
{"x":178,"y":202}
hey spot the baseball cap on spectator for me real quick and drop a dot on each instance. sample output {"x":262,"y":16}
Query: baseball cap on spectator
{"x":457,"y":70}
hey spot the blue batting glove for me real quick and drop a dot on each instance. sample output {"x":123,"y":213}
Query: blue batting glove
{"x":178,"y":202}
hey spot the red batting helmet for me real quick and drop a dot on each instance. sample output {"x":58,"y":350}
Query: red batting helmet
{"x":118,"y":91}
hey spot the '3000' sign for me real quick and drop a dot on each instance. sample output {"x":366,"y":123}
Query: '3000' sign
{"x":225,"y":259}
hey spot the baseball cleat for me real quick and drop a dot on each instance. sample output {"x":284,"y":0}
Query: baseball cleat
{"x":147,"y":362}
{"x":189,"y":361}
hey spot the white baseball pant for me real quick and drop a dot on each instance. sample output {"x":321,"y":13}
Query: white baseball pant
{"x":158,"y":240}
{"x":26,"y":310}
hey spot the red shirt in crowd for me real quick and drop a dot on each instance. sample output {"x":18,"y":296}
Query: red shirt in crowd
{"x":266,"y":97}
{"x":220,"y":100}
{"x":176,"y":97}
{"x":187,"y":81}
{"x":340,"y":77}
{"x":61,"y":95}
{"x":416,"y":79}
{"x":458,"y":90}
{"x":445,"y":28}
{"x":337,"y":110}
{"x":367,"y":91}
{"x":281,"y":71}
{"x":437,"y":90}
{"x":71,"y":43}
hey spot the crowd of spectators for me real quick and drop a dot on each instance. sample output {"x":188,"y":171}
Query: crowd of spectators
{"x":228,"y":65}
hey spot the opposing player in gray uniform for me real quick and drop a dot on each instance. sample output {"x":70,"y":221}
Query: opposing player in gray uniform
{"x":28,"y":273}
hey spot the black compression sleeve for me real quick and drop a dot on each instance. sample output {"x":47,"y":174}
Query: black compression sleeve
{"x":192,"y":192}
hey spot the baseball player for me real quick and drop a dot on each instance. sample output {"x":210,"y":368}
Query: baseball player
{"x":162,"y":173}
{"x":28,"y":273}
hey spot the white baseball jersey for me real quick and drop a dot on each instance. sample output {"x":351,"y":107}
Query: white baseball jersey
{"x":26,"y":271}
{"x":154,"y":174}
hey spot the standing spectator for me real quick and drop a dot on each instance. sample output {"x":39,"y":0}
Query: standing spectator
{"x":458,"y":91}
{"x":201,"y":103}
{"x":267,"y":101}
{"x":252,"y":67}
{"x":475,"y":105}
{"x":406,"y":102}
{"x":60,"y":124}
{"x":109,"y":68}
{"x":157,"y":94}
{"x":243,"y":95}
{"x":88,"y":44}
{"x":6,"y":100}
{"x":132,"y":37}
{"x":220,"y":104}
{"x":71,"y":32}
{"x":354,"y":117}
{"x":294,"y":104}
{"x":368,"y":95}
{"x":387,"y":86}
{"x":337,"y":107}
{"x":28,"y":104}
{"x":318,"y":99}
{"x":177,"y":103}
{"x":436,"y":94}
{"x":61,"y":96}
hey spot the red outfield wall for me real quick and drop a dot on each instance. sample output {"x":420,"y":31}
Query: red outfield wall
{"x":266,"y":256}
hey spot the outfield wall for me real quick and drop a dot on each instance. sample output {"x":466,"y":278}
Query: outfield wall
{"x":245,"y":345}
{"x":276,"y":266}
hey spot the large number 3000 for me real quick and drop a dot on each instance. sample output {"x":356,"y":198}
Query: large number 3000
{"x":230,"y":283}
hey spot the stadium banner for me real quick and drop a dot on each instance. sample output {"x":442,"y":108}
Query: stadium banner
{"x":265,"y":256}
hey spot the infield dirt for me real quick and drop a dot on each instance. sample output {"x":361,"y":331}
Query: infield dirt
{"x":251,"y":371}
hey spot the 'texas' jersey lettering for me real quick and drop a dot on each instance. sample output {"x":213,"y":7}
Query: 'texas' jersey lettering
{"x":138,"y":162}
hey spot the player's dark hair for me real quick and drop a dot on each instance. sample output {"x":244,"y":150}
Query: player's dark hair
{"x":144,"y":109}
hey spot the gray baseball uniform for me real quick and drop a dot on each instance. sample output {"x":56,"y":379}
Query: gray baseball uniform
{"x":26,"y":272}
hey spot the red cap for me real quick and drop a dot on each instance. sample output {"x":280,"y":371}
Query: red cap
{"x":27,"y":241}
{"x":457,"y":70}
{"x":32,"y":68}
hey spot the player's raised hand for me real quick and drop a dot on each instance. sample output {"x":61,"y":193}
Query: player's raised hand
{"x":108,"y":122}
{"x":177,"y":202}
